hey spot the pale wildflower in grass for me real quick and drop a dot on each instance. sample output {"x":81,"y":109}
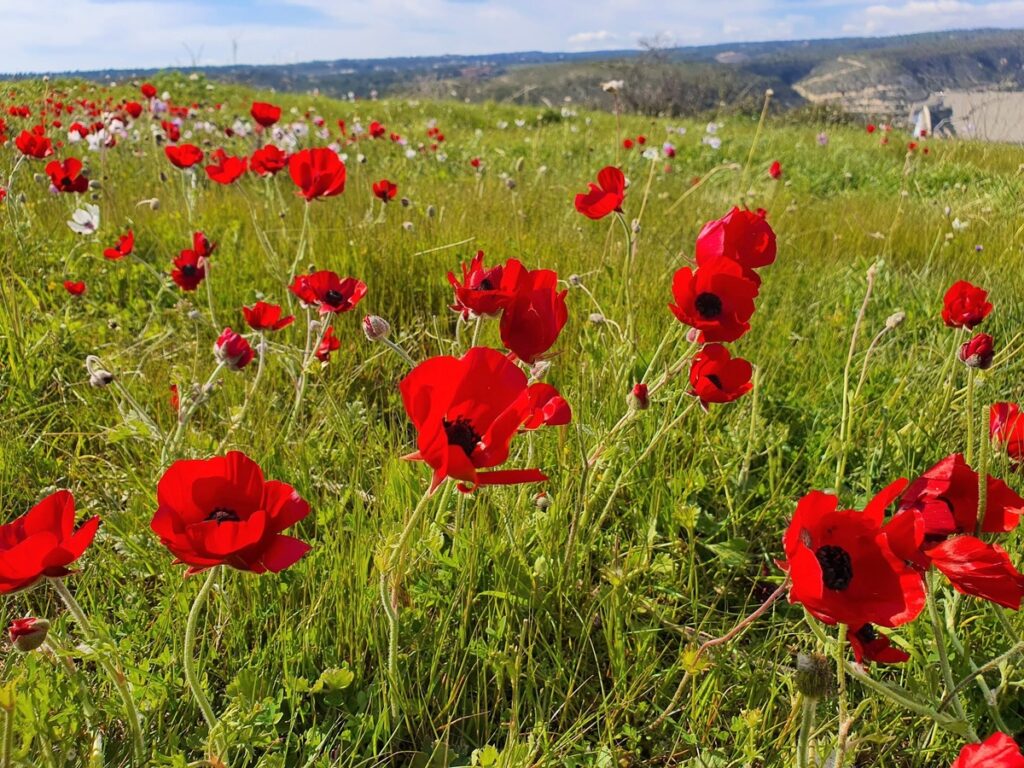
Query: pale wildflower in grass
{"x":86,"y":220}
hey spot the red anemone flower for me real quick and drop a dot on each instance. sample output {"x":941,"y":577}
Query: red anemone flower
{"x":1006,"y":429}
{"x":262,"y":316}
{"x":265,"y":114}
{"x":75,"y":288}
{"x":717,"y":377}
{"x":717,"y":299}
{"x":604,"y":197}
{"x":965,"y":305}
{"x":189,"y":270}
{"x":466,"y":412}
{"x":535,"y":313}
{"x":183,"y":155}
{"x":148,"y":90}
{"x":868,"y":644}
{"x":775,"y":170}
{"x":480,"y":293}
{"x":67,"y":176}
{"x":377,"y":130}
{"x":125,"y":245}
{"x":324,"y":289}
{"x":842,"y":567}
{"x":980,"y":569}
{"x":233,"y":350}
{"x":202,"y":245}
{"x":384,"y":190}
{"x":977,"y":352}
{"x":221,"y":511}
{"x":34,"y":144}
{"x":997,"y":751}
{"x":741,"y":235}
{"x":42,"y":542}
{"x":225,"y":168}
{"x":267,"y":160}
{"x":328,"y":344}
{"x":317,"y":173}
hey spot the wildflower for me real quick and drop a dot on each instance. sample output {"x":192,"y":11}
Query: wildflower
{"x":717,"y":299}
{"x":328,"y":292}
{"x":977,"y":352}
{"x":85,"y":220}
{"x":965,"y":305}
{"x":262,"y":316}
{"x":317,"y":172}
{"x":124,"y":247}
{"x":28,"y":634}
{"x":265,"y":114}
{"x":604,"y":197}
{"x":717,"y":377}
{"x":233,"y":350}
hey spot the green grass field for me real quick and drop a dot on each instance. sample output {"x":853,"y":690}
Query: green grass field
{"x":529,"y":634}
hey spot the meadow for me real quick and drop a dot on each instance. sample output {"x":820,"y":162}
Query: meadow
{"x":592,"y":619}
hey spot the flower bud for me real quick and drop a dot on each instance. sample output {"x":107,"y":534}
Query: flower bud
{"x":597,"y":318}
{"x":431,"y":211}
{"x":542,"y":501}
{"x":575,"y":280}
{"x":406,"y":202}
{"x":977,"y":352}
{"x":510,"y":183}
{"x":813,"y":675}
{"x":693,"y":335}
{"x":28,"y":634}
{"x":895,"y":319}
{"x":233,"y":350}
{"x":635,"y":226}
{"x":638,"y":397}
{"x":100,"y":378}
{"x":376,"y":328}
{"x":407,"y":226}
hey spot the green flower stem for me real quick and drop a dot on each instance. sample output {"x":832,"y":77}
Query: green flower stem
{"x":189,"y":655}
{"x":7,"y":760}
{"x":806,"y":726}
{"x":940,"y":645}
{"x":112,"y":670}
{"x":969,"y":451}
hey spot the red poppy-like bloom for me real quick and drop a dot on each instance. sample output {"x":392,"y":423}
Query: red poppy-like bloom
{"x":183,"y":155}
{"x":233,"y":350}
{"x":67,"y":176}
{"x":627,"y":143}
{"x":221,"y":511}
{"x":189,"y":270}
{"x":175,"y":398}
{"x":262,"y":316}
{"x":328,"y":344}
{"x":871,"y":128}
{"x":225,"y":168}
{"x":377,"y":130}
{"x":317,"y":173}
{"x":717,"y":299}
{"x":324,"y":289}
{"x":43,"y":542}
{"x":35,"y":144}
{"x":202,"y":245}
{"x":133,"y":108}
{"x":535,"y":313}
{"x":741,"y":235}
{"x":717,"y":377}
{"x":842,"y":566}
{"x":171,"y":131}
{"x":604,"y":197}
{"x":267,"y":160}
{"x":775,"y":170}
{"x":74,"y":287}
{"x":997,"y":751}
{"x":384,"y":190}
{"x":480,"y":292}
{"x":868,"y":644}
{"x":936,"y":522}
{"x":980,"y":569}
{"x":639,"y":396}
{"x":1006,"y":429}
{"x":148,"y":90}
{"x":3,"y":194}
{"x":125,"y":245}
{"x":978,"y":351}
{"x":965,"y":305}
{"x":265,"y":114}
{"x":466,"y":412}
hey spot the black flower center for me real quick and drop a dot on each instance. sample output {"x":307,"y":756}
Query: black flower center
{"x":867,"y":634}
{"x":223,"y":515}
{"x":461,"y":433}
{"x":708,"y":305}
{"x":188,"y":270}
{"x":714,"y":380}
{"x":836,"y":568}
{"x":485,"y":285}
{"x":334,"y":298}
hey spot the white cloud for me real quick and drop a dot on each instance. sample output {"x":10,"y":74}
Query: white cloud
{"x":589,"y":38}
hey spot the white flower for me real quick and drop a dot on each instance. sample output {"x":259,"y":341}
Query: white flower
{"x":959,"y":226}
{"x":651,"y":154}
{"x":712,"y":128}
{"x":612,"y":86}
{"x":85,"y":221}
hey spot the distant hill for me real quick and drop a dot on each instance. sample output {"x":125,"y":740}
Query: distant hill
{"x":875,"y":76}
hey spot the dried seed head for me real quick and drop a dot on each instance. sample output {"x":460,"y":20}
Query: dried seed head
{"x":597,"y":318}
{"x":575,"y":280}
{"x":100,"y":378}
{"x":813,"y":675}
{"x":895,"y":319}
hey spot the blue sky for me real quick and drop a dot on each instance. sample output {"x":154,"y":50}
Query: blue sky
{"x":57,"y":35}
